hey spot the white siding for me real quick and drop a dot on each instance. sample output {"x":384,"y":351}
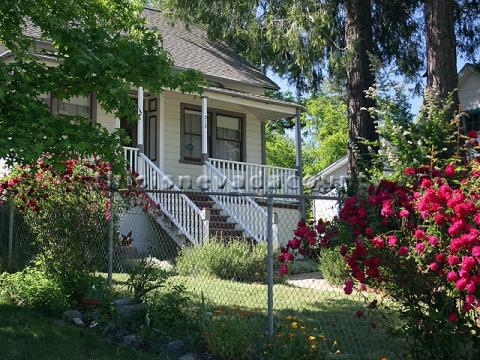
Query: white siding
{"x":469,"y":91}
{"x":172,"y":164}
{"x":105,"y":119}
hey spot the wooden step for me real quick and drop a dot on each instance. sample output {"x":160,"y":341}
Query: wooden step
{"x":222,"y":225}
{"x":218,"y":218}
{"x":226,"y":233}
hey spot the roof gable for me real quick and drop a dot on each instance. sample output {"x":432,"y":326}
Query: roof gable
{"x":191,"y":49}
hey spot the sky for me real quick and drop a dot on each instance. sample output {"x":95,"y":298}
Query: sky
{"x":415,"y":101}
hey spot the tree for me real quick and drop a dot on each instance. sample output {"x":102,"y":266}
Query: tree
{"x":442,"y":76}
{"x":102,"y":47}
{"x":305,"y":40}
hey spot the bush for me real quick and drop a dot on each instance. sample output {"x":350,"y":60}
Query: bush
{"x":236,"y":260}
{"x":34,"y":288}
{"x":332,"y":266}
{"x":234,"y":335}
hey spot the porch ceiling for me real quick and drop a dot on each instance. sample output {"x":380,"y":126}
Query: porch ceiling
{"x":263,"y":107}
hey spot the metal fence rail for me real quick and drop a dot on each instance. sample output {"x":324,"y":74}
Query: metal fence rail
{"x":254,"y":284}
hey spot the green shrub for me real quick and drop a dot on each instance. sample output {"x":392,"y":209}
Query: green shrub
{"x":236,"y":260}
{"x":303,"y":266}
{"x":234,"y":335}
{"x":332,"y":266}
{"x":34,"y":288}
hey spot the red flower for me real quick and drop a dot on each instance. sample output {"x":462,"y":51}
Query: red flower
{"x":359,"y":313}
{"x":453,"y":317}
{"x":450,"y":170}
{"x":284,"y":269}
{"x":409,"y":171}
{"x":403,"y":250}
{"x":294,"y":243}
{"x":472,"y":134}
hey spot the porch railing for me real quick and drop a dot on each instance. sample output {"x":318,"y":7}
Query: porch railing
{"x":259,"y":179}
{"x":190,"y":220}
{"x":244,"y":210}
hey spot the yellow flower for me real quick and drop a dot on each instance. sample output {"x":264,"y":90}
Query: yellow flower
{"x":313,"y":346}
{"x":294,"y":325}
{"x":323,"y":338}
{"x":312,"y":338}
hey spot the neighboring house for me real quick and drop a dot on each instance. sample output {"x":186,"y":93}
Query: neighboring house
{"x":220,"y":135}
{"x":336,"y":173}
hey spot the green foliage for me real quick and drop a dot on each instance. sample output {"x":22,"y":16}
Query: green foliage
{"x":303,"y":266}
{"x":407,"y":142}
{"x":144,"y":278}
{"x":327,"y":130}
{"x":234,"y":335}
{"x":294,"y":339}
{"x":280,"y":150}
{"x":68,"y":221}
{"x":332,"y":266}
{"x":237,"y":260}
{"x":100,"y":47}
{"x":34,"y":288}
{"x":169,"y":314}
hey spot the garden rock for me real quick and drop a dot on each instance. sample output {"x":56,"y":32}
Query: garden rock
{"x":174,"y":349}
{"x":69,"y":315}
{"x":127,"y":312}
{"x":78,"y":321}
{"x":123,"y":301}
{"x":109,"y":329}
{"x":132,"y":341}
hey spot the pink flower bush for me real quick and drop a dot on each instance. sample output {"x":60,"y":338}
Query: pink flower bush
{"x":418,"y":241}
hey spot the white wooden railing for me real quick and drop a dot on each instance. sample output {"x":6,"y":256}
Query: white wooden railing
{"x":259,"y":179}
{"x":131,"y":156}
{"x":244,"y":210}
{"x":190,"y":220}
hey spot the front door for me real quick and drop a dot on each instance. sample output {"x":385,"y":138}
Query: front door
{"x":150,"y":129}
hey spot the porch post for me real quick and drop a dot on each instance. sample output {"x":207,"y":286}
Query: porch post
{"x":299,"y":163}
{"x":140,"y":120}
{"x":204,"y":133}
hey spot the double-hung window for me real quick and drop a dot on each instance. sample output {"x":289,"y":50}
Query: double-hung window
{"x":226,"y":137}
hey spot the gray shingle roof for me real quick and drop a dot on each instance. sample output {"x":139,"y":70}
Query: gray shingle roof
{"x":191,"y":49}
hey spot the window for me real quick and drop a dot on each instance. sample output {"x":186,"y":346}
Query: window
{"x":471,"y":121}
{"x":192,"y":135}
{"x":228,"y":144}
{"x":75,"y":106}
{"x":225,"y":134}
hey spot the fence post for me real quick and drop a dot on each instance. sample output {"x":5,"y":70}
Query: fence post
{"x":205,"y":225}
{"x":10,"y":236}
{"x":110,"y":240}
{"x":270,"y":263}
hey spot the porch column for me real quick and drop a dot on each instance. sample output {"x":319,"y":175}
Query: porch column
{"x":204,"y":133}
{"x":299,"y":162}
{"x":140,"y":119}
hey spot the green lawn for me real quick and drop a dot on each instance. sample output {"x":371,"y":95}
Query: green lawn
{"x":28,"y":335}
{"x":329,"y":310}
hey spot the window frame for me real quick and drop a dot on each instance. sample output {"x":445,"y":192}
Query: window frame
{"x":53,"y":105}
{"x":212,"y":131}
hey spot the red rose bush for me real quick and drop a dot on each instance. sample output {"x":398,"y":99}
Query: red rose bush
{"x":417,"y":240}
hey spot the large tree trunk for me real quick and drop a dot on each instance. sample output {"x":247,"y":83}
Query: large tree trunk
{"x":359,"y":41}
{"x":442,"y":76}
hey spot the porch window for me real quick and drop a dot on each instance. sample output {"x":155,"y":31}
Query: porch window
{"x":228,"y":144}
{"x":192,"y":135}
{"x":226,"y":134}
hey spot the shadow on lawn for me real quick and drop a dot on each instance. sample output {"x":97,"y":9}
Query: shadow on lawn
{"x":27,"y":334}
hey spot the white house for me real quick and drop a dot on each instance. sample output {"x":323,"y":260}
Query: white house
{"x":216,"y":141}
{"x":336,"y":173}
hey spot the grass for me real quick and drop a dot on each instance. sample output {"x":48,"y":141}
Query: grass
{"x":328,"y":309}
{"x":26,"y":335}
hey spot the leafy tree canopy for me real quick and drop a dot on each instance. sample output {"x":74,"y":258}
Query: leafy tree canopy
{"x":100,"y":46}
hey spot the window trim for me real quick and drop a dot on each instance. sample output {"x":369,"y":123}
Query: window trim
{"x":212,"y":130}
{"x":53,"y":105}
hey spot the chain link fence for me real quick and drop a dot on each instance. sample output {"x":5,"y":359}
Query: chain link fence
{"x":223,"y":248}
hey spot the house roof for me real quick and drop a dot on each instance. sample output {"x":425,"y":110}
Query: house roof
{"x":312,"y":180}
{"x":190,"y":48}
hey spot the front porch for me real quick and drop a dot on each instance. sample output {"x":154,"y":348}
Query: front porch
{"x":216,"y":144}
